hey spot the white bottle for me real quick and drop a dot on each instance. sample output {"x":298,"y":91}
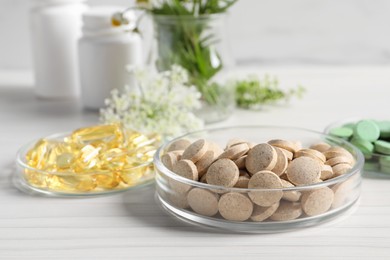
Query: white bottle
{"x":104,"y":53}
{"x":55,"y":29}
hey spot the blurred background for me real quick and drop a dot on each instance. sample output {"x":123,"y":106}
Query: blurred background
{"x":352,"y":32}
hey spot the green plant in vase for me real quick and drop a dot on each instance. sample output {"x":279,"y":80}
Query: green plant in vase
{"x":185,"y":36}
{"x":189,"y":33}
{"x":191,"y":50}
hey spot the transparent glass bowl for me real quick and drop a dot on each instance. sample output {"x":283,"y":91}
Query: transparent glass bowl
{"x":172,"y":189}
{"x":372,"y":163}
{"x":36,"y":181}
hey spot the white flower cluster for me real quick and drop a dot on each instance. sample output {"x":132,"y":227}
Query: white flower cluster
{"x":164,"y":103}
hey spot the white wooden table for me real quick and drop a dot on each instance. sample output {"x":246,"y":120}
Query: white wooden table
{"x":132,"y":226}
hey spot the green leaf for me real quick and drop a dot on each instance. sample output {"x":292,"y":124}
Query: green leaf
{"x":252,"y":93}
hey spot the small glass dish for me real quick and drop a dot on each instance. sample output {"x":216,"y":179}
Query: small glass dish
{"x":375,"y":164}
{"x":36,"y":181}
{"x":346,"y":187}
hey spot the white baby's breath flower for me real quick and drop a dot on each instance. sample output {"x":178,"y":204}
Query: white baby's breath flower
{"x":140,"y":74}
{"x":165,"y":103}
{"x":179,"y":75}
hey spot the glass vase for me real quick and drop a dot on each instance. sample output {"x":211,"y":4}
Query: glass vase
{"x":199,"y":45}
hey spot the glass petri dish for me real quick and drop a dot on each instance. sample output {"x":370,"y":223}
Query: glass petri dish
{"x":375,"y":164}
{"x":69,"y":184}
{"x":172,"y":190}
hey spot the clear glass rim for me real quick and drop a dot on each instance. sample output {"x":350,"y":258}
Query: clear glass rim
{"x":20,"y":160}
{"x":340,"y":179}
{"x":254,"y":226}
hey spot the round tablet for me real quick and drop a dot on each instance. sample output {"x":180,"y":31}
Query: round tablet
{"x":223,"y":172}
{"x":240,"y":162}
{"x":203,"y":202}
{"x":382,"y":147}
{"x":261,"y":157}
{"x":342,"y":132}
{"x":321,"y":147}
{"x":262,"y":213}
{"x":186,"y":169}
{"x":178,"y":200}
{"x":326,"y":172}
{"x":287,"y":211}
{"x":367,"y":130}
{"x":242,"y":182}
{"x":341,"y":168}
{"x":304,"y":170}
{"x":195,"y":151}
{"x":265,"y":180}
{"x":384,"y":127}
{"x":336,"y":151}
{"x":284,"y":144}
{"x":213,"y":146}
{"x":290,"y":195}
{"x":288,"y":154}
{"x":169,"y":160}
{"x":203,"y":164}
{"x":180,"y":144}
{"x":281,"y":162}
{"x":235,"y":206}
{"x":234,"y":141}
{"x":317,"y":201}
{"x":366,"y":147}
{"x":311,"y":153}
{"x":337,"y":160}
{"x":235,"y":151}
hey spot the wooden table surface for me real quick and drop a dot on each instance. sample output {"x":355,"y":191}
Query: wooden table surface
{"x":132,"y":225}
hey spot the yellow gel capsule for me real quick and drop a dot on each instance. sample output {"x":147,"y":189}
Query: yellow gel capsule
{"x":37,"y":156}
{"x":114,"y":154}
{"x":130,"y":135}
{"x":72,"y":183}
{"x":60,"y":183}
{"x":132,"y":176}
{"x":146,"y":153}
{"x":32,"y":153}
{"x":112,"y":135}
{"x":139,"y":140}
{"x":44,"y":155}
{"x":113,"y":158}
{"x":135,"y":140}
{"x":34,"y":178}
{"x":142,"y":155}
{"x":64,"y":160}
{"x":94,"y":157}
{"x":107,"y":181}
{"x":86,"y":184}
{"x":55,"y":148}
{"x":89,"y":157}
